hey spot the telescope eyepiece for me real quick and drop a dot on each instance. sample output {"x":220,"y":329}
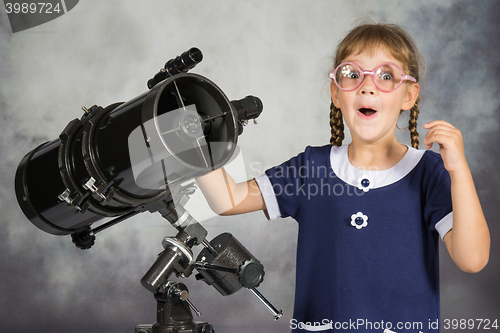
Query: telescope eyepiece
{"x":184,"y":62}
{"x":180,"y":64}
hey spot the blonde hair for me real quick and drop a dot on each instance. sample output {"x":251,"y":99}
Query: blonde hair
{"x":368,"y":37}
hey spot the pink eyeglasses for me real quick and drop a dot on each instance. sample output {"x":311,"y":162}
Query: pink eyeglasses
{"x":387,"y":77}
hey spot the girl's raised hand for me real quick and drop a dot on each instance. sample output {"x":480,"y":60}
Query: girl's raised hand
{"x":450,"y":142}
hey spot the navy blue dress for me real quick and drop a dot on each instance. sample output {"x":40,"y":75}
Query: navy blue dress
{"x":367,"y":256}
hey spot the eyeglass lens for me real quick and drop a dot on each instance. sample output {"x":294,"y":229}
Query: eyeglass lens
{"x":386,"y":76}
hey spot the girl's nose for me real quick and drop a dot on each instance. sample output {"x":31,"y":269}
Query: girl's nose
{"x":368,"y":86}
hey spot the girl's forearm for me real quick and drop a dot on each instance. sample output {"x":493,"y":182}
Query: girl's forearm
{"x":469,"y":241}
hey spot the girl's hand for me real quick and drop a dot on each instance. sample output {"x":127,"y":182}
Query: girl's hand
{"x":450,"y":142}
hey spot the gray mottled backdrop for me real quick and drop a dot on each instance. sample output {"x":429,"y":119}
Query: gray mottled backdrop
{"x":104,"y":51}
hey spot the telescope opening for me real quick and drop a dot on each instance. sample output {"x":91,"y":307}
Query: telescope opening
{"x":200,"y":131}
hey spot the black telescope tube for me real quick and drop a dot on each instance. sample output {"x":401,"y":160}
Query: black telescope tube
{"x":179,"y":64}
{"x":50,"y":179}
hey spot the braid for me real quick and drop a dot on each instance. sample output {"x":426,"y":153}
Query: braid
{"x":337,"y":125}
{"x":412,"y":124}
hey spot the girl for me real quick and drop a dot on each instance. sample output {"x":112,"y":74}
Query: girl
{"x":370,"y":213}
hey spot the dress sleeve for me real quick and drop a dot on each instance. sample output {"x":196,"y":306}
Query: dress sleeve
{"x":438,"y":206}
{"x":282,"y":186}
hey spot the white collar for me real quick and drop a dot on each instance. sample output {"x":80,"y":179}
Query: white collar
{"x":353,"y":176}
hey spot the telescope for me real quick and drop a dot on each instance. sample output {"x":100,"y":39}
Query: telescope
{"x":143,"y":155}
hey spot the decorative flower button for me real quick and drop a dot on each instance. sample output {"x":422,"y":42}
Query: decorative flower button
{"x":365,"y":183}
{"x":359,"y":220}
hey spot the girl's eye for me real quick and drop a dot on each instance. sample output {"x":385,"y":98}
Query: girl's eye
{"x":353,"y":75}
{"x":386,"y":76}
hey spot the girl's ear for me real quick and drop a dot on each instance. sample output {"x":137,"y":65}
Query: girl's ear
{"x":411,"y":96}
{"x":334,"y":91}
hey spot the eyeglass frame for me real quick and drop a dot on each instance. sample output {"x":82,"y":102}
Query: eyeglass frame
{"x":362,"y":72}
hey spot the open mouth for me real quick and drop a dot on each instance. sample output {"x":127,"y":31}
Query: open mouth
{"x":367,"y":112}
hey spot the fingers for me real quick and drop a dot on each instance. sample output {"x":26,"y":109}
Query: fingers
{"x":450,"y":142}
{"x":442,"y":133}
{"x":442,"y":137}
{"x":438,"y":122}
{"x":432,"y":126}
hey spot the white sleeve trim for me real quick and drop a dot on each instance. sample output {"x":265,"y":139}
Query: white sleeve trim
{"x":445,"y":225}
{"x":267,"y":190}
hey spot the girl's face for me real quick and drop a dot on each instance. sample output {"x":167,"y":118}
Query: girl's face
{"x":371,"y":114}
